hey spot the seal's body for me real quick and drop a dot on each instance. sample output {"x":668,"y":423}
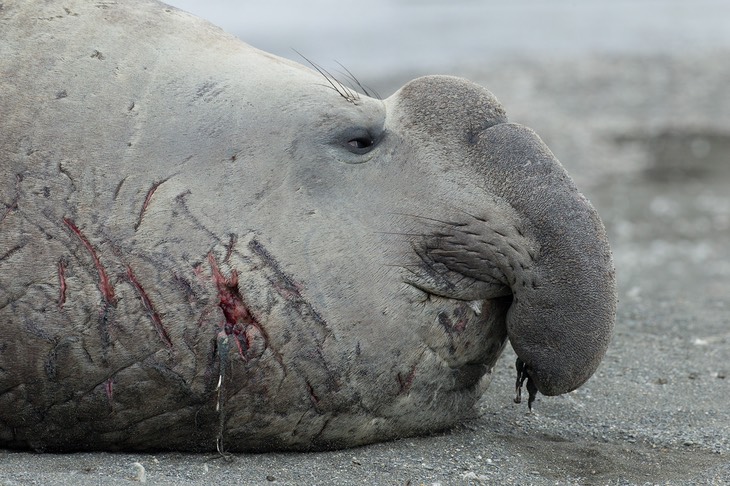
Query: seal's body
{"x":202,"y":244}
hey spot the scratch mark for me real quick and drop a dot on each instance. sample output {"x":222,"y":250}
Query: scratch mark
{"x":66,"y":172}
{"x":312,"y":396}
{"x":50,"y":364}
{"x":232,"y":240}
{"x":290,"y":288}
{"x":11,"y":252}
{"x":316,"y":437}
{"x":34,"y":328}
{"x":104,"y":316}
{"x":105,"y":286}
{"x":109,"y":389}
{"x":186,"y":287}
{"x":407,"y":381}
{"x":180,"y":199}
{"x":8,"y":209}
{"x":119,"y":187}
{"x":13,"y":206}
{"x":61,"y":283}
{"x":296,"y":427}
{"x":287,"y":287}
{"x":147,"y":303}
{"x":146,"y":202}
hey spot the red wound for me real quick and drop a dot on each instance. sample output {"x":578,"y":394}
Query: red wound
{"x":105,"y":286}
{"x":238,"y":319}
{"x":147,"y":303}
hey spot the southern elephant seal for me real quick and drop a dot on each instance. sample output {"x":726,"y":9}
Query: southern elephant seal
{"x":205,"y":245}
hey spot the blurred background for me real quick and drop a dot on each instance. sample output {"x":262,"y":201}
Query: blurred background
{"x":379,"y":37}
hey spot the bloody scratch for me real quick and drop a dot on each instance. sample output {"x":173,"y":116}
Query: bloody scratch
{"x":147,"y":303}
{"x":146,"y":202}
{"x":231,"y":303}
{"x":61,"y":283}
{"x":105,"y":286}
{"x":109,"y":389}
{"x":238,"y":319}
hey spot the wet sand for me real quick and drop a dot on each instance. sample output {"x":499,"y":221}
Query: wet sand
{"x":647,"y":139}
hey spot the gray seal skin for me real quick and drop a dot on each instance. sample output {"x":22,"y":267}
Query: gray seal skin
{"x":203,"y":245}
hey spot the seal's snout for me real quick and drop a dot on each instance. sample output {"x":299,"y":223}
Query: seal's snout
{"x":564,"y":300}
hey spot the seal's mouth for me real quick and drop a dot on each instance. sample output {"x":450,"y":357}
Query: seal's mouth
{"x":433,"y":294}
{"x":468,"y":334}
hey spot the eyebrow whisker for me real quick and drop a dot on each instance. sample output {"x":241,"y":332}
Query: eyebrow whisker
{"x":348,"y":94}
{"x":366,"y":91}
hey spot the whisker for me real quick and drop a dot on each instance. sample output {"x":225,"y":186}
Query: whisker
{"x":426,"y":218}
{"x":405,"y":266}
{"x":395,"y":233}
{"x":348,"y":94}
{"x":367,"y":91}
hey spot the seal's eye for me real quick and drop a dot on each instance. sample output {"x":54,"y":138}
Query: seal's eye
{"x":360,"y":143}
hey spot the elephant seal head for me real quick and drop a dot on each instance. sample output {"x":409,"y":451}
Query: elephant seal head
{"x":513,"y":225}
{"x":229,"y":247}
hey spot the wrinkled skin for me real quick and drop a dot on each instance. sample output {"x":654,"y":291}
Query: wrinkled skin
{"x":205,"y":245}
